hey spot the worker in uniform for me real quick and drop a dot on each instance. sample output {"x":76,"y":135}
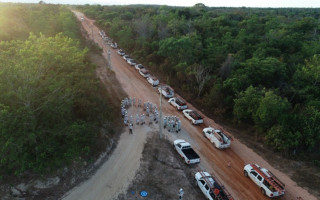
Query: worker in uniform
{"x":131,"y":119}
{"x":123,"y":111}
{"x":130,"y":128}
{"x":150,"y":118}
{"x":179,"y":125}
{"x":172,"y":125}
{"x":134,"y":101}
{"x":125,"y":121}
{"x":164,"y":122}
{"x":169,"y":125}
{"x":156,"y":117}
{"x":137,"y":119}
{"x":148,"y":111}
{"x":142,"y":119}
{"x":139,"y":103}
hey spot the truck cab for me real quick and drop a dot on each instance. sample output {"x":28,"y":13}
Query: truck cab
{"x":269,"y":185}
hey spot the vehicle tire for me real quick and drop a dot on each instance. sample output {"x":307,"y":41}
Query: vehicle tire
{"x":245,"y":173}
{"x":263,"y":192}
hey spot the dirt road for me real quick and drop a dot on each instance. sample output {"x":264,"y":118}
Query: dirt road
{"x":213,"y":160}
{"x":115,"y":175}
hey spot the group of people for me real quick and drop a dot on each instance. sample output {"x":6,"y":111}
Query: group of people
{"x":173,"y":123}
{"x":150,"y":110}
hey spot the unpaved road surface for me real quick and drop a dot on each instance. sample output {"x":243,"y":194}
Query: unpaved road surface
{"x":115,"y":175}
{"x":213,"y":160}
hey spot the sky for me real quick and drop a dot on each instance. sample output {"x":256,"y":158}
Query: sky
{"x":210,"y":3}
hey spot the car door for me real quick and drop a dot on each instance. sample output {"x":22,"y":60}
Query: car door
{"x":204,"y":187}
{"x":253,"y":175}
{"x":209,"y":134}
{"x":258,"y":180}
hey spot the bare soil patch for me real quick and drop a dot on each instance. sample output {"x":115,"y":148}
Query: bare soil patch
{"x":162,"y":173}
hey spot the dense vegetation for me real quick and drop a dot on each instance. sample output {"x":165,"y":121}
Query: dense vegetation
{"x":260,"y":65}
{"x":51,"y":106}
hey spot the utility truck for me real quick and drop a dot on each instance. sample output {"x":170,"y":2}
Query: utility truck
{"x":166,"y":91}
{"x":210,"y":187}
{"x":178,"y":103}
{"x":268,"y":183}
{"x":217,"y":137}
{"x":186,"y":152}
{"x":193,"y":116}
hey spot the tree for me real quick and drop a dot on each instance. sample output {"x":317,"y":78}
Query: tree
{"x":272,"y":108}
{"x":282,"y":139}
{"x":247,"y":103}
{"x":202,"y":76}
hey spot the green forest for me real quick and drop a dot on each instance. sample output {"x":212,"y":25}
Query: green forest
{"x":258,"y":67}
{"x":51,"y":103}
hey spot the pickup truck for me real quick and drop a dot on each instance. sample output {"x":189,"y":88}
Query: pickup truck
{"x":210,"y":187}
{"x":131,"y":62}
{"x":193,"y":116}
{"x":218,"y":138}
{"x":186,"y":152}
{"x":139,"y":66}
{"x":114,"y":45}
{"x":145,"y":73}
{"x":178,"y":103}
{"x":153,"y":80}
{"x":166,"y":91}
{"x":269,"y":185}
{"x":121,"y":52}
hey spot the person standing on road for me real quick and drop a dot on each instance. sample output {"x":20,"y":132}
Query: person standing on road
{"x":142,"y":119}
{"x":164,"y":122}
{"x":130,"y":128}
{"x":137,"y":119}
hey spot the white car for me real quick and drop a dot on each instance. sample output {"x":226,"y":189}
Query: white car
{"x":131,"y":62}
{"x":153,"y":80}
{"x":269,"y":185}
{"x":121,"y":52}
{"x":193,"y":116}
{"x":139,"y":66}
{"x":126,"y":57}
{"x":217,"y":137}
{"x":145,"y":73}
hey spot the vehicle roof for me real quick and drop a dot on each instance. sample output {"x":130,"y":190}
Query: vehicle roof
{"x":153,"y":78}
{"x":182,"y":142}
{"x":144,"y":70}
